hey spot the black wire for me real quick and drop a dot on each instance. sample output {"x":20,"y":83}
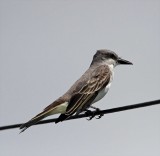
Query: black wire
{"x":107,"y":111}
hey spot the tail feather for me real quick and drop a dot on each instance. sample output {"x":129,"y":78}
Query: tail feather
{"x":33,"y":121}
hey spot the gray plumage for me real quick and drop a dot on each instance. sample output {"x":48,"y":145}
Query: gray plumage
{"x":91,"y":87}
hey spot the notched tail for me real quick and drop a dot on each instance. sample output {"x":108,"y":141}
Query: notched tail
{"x":33,"y":121}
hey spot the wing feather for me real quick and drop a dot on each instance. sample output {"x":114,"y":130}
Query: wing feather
{"x":96,"y":81}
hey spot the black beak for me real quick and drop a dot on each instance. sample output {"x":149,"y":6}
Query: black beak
{"x":125,"y":62}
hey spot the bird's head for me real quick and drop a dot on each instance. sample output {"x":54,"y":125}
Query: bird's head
{"x":109,"y":58}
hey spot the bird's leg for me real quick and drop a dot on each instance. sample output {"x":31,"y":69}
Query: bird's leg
{"x":90,"y":113}
{"x":99,"y":116}
{"x":97,"y":110}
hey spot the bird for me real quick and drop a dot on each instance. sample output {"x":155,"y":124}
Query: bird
{"x":91,"y":87}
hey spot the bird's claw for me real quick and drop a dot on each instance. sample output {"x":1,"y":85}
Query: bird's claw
{"x":92,"y":114}
{"x":91,"y":117}
{"x":99,"y":116}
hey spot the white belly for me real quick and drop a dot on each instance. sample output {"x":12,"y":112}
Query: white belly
{"x":102,"y":93}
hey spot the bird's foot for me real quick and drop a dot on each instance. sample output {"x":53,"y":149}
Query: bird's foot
{"x":97,"y":110}
{"x":91,"y":117}
{"x":93,"y":114}
{"x":99,"y":116}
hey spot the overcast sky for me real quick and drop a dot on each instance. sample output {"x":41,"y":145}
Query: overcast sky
{"x":45,"y":46}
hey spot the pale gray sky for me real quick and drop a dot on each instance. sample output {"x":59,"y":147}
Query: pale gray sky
{"x":45,"y":45}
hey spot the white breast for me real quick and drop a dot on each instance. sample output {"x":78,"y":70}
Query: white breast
{"x":104,"y":91}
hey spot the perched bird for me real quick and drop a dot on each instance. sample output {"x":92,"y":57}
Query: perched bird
{"x":90,"y":88}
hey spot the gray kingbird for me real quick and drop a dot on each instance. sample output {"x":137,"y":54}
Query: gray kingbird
{"x":88,"y":89}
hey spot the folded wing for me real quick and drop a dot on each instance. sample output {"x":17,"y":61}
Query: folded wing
{"x":82,"y":99}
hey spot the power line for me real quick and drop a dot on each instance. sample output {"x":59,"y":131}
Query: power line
{"x":107,"y":111}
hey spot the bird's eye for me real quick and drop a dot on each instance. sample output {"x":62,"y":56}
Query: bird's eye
{"x":112,"y":56}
